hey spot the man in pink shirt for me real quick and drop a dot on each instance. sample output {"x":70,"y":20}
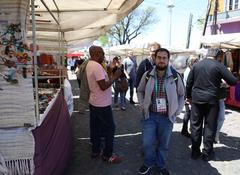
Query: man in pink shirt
{"x":100,"y":100}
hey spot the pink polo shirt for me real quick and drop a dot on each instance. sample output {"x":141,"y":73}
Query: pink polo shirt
{"x":98,"y":97}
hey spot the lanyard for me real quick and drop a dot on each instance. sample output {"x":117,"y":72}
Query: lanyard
{"x":157,"y":88}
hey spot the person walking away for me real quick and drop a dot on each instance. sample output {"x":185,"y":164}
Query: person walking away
{"x":147,"y":64}
{"x":101,"y":117}
{"x":190,"y":61}
{"x":161,"y":100}
{"x":130,"y":66}
{"x":203,"y":85}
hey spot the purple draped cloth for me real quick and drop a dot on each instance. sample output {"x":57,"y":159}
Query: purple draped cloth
{"x":54,"y":140}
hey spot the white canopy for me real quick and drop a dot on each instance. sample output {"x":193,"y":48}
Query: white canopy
{"x":231,"y":40}
{"x":80,"y":21}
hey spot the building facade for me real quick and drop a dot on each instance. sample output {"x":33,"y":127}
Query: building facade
{"x":227,"y":18}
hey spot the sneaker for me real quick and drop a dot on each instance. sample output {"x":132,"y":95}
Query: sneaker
{"x":144,"y":169}
{"x":123,"y":108}
{"x":216,"y":140}
{"x":114,"y":159}
{"x":164,"y":171}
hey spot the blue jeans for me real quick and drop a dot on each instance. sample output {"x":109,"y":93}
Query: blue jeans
{"x":221,"y":116}
{"x":122,"y":96}
{"x":156,"y":128}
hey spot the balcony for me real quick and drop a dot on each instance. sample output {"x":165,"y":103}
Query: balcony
{"x":226,"y":17}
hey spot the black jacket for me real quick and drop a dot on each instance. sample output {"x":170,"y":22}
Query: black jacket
{"x":203,"y":83}
{"x":144,"y":66}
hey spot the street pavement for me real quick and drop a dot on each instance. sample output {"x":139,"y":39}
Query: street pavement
{"x":128,"y":145}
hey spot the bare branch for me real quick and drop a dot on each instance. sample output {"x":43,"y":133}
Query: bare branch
{"x":132,"y":25}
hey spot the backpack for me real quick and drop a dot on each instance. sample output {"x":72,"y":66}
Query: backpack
{"x":174,"y":72}
{"x":84,"y":88}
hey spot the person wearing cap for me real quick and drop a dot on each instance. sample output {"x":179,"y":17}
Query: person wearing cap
{"x":202,"y":89}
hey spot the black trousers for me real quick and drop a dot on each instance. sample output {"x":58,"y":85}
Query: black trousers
{"x":206,"y":114}
{"x":102,"y":125}
{"x":186,"y":117}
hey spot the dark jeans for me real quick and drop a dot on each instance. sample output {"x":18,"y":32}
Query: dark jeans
{"x":207,"y":113}
{"x":102,"y":125}
{"x":79,"y":82}
{"x":131,"y":84}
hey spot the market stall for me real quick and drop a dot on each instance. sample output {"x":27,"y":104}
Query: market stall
{"x":230,"y":43}
{"x":17,"y":110}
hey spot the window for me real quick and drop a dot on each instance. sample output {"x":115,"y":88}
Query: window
{"x":236,"y":4}
{"x":233,"y":4}
{"x":230,"y":7}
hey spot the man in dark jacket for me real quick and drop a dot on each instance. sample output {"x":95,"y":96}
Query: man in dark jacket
{"x":203,"y":85}
{"x":147,"y":64}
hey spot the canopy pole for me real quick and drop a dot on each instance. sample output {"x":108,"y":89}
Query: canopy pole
{"x":35,"y":61}
{"x":59,"y":47}
{"x":50,"y":12}
{"x":56,"y":5}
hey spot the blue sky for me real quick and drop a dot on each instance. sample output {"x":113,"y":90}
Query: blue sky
{"x":180,"y":17}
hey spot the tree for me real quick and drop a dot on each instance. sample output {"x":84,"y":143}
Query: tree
{"x":103,"y":40}
{"x":132,"y":25}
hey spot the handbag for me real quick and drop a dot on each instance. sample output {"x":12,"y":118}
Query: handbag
{"x":123,"y":85}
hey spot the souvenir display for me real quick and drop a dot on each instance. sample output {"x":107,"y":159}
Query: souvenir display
{"x":16,"y":95}
{"x":45,"y":97}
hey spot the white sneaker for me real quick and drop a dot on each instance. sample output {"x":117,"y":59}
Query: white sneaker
{"x":217,"y":138}
{"x":123,"y":108}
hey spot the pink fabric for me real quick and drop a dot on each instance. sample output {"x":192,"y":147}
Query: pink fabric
{"x":96,"y":72}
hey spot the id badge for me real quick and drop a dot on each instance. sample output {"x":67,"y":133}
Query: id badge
{"x":161,"y":104}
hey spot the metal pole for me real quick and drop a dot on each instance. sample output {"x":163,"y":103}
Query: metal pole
{"x":189,"y":30}
{"x":35,"y":61}
{"x":206,"y":20}
{"x":59,"y":50}
{"x":215,"y":18}
{"x":50,"y":11}
{"x":170,"y":6}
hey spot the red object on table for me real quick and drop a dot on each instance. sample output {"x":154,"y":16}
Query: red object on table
{"x":231,"y":99}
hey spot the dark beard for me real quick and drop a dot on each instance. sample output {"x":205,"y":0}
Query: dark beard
{"x":161,"y":68}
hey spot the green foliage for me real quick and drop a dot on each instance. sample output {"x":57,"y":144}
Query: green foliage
{"x":200,"y":23}
{"x":103,"y":40}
